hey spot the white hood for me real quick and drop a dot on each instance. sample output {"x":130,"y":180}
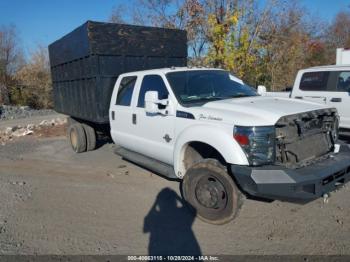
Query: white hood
{"x":253,"y":111}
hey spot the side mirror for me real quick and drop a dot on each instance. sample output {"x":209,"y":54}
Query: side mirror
{"x":151,"y":98}
{"x":261,"y":90}
{"x":152,"y":102}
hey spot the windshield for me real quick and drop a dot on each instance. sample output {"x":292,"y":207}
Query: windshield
{"x":193,"y":88}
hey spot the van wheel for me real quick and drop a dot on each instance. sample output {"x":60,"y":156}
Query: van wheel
{"x":77,"y":137}
{"x":211,"y":193}
{"x":90,"y":137}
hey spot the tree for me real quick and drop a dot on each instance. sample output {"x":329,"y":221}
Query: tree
{"x":178,"y":14}
{"x":34,"y":80}
{"x":339,"y":30}
{"x":118,"y":14}
{"x":194,"y":20}
{"x":11,"y":59}
{"x":292,"y":40}
{"x":261,"y":43}
{"x":336,"y":35}
{"x":234,"y":36}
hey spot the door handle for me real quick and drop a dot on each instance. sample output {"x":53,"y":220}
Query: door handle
{"x":336,"y":99}
{"x":298,"y":97}
{"x":134,"y":119}
{"x":113,"y":115}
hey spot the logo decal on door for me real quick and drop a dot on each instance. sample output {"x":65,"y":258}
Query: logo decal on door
{"x":167,"y":138}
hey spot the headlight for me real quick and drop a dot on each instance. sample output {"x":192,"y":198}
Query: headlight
{"x":257,"y":142}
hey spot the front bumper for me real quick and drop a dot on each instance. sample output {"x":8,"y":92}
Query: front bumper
{"x":295,"y":185}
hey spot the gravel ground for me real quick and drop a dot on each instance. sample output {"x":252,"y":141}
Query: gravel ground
{"x":53,"y":201}
{"x":14,"y":112}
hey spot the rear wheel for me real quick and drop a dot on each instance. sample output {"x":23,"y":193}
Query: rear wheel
{"x":77,"y":137}
{"x":90,"y":137}
{"x":211,"y":192}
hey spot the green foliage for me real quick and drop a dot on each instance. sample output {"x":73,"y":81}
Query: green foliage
{"x":233,"y":45}
{"x":26,"y":96}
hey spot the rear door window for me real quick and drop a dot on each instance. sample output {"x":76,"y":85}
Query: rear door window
{"x":125,"y":91}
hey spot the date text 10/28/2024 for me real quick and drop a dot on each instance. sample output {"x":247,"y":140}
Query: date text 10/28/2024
{"x":173,"y":258}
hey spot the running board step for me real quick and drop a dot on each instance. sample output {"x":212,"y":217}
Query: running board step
{"x":147,"y":162}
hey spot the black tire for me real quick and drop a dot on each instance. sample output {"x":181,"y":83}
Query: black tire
{"x":77,"y":137}
{"x":90,"y":137}
{"x":211,"y":193}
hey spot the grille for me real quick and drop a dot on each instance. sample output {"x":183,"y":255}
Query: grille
{"x":303,"y":138}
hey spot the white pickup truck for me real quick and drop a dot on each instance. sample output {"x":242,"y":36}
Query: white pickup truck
{"x":328,"y":85}
{"x":203,"y":127}
{"x":221,"y":139}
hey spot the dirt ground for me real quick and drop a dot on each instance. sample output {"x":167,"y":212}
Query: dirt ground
{"x":53,"y":201}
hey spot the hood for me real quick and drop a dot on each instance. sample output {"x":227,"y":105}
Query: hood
{"x":253,"y":111}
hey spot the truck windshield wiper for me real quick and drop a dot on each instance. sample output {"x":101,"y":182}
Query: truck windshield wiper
{"x":213,"y":98}
{"x":208,"y":98}
{"x":232,"y":96}
{"x":239,"y":95}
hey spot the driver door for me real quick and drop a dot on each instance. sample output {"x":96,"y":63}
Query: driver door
{"x":154,"y":133}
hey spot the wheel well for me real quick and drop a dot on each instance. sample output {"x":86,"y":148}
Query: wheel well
{"x":196,"y":151}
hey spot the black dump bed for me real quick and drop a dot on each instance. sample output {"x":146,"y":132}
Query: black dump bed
{"x":86,"y":63}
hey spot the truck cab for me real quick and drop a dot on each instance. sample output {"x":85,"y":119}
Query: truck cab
{"x":138,"y":130}
{"x":208,"y":129}
{"x":150,"y":110}
{"x":329,"y":85}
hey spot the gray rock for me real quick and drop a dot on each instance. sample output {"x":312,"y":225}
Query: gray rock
{"x":9,"y":131}
{"x":30,"y":127}
{"x":44,"y":123}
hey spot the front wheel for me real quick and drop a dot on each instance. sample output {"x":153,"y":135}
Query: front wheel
{"x":211,"y":192}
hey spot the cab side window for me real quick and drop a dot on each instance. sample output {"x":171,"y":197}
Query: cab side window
{"x":330,"y":81}
{"x":314,"y":81}
{"x":152,"y":83}
{"x":125,"y":91}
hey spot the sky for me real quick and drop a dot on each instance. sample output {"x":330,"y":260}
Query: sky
{"x":44,"y":21}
